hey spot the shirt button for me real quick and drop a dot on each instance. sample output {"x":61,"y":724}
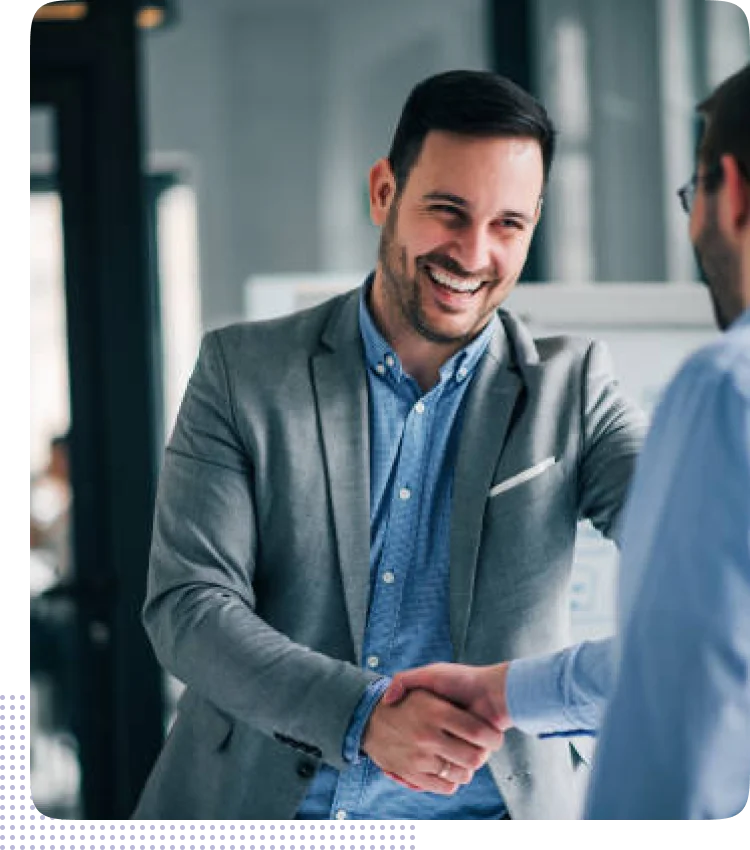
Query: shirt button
{"x":341,"y":814}
{"x":404,"y":493}
{"x":372,"y":661}
{"x":419,"y":407}
{"x":389,"y":577}
{"x":389,"y":361}
{"x":462,"y":373}
{"x":380,"y":369}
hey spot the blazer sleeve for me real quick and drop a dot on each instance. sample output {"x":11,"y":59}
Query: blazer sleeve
{"x":200,"y":605}
{"x":612,"y":432}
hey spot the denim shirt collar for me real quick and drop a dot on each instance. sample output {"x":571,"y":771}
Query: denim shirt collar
{"x":383,"y":360}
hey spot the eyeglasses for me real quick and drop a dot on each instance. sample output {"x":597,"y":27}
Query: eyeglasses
{"x":687,"y":192}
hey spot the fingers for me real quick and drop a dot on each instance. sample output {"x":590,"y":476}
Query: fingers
{"x":427,"y":743}
{"x":481,"y":690}
{"x":401,"y":781}
{"x":454,"y":773}
{"x":410,"y":680}
{"x":443,"y":729}
{"x":446,"y":781}
{"x":469,"y":728}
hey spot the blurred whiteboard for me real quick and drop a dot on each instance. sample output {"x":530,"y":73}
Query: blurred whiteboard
{"x":649,"y":328}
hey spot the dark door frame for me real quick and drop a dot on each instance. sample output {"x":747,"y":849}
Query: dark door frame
{"x":88,"y":73}
{"x":513,"y":53}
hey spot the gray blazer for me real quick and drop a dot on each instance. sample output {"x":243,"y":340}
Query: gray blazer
{"x":259,"y":576}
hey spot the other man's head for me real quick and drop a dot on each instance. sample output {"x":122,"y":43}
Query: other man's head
{"x":720,"y":211}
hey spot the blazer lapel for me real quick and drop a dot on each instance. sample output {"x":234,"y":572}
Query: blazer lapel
{"x":495,"y":390}
{"x":340,"y":383}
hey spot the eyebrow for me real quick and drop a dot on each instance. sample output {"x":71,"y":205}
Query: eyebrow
{"x":458,"y":201}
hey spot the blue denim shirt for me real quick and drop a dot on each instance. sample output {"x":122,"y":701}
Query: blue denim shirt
{"x":413,"y":441}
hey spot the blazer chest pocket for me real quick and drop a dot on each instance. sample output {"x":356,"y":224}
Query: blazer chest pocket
{"x":537,"y":482}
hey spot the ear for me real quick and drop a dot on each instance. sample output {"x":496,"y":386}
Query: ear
{"x":382,"y":191}
{"x":736,"y":207}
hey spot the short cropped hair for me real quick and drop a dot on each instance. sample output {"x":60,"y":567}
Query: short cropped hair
{"x":470,"y":103}
{"x":726,"y":114}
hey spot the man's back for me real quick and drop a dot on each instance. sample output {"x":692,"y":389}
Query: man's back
{"x":684,"y":689}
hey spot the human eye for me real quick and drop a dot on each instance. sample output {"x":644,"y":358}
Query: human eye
{"x":449,"y":213}
{"x":510,"y":223}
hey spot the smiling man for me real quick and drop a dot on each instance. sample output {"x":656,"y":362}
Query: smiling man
{"x":388,"y":480}
{"x":454,"y":242}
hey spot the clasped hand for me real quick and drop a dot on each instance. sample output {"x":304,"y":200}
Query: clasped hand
{"x":437,"y":725}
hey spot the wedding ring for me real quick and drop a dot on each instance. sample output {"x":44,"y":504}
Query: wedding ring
{"x":444,"y":770}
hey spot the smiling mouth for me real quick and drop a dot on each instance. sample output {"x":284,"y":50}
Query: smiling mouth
{"x":459,"y":285}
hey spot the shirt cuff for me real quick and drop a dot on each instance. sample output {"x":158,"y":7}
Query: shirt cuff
{"x":563,"y":693}
{"x":361,"y":715}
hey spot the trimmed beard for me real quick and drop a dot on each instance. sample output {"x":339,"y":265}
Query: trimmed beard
{"x":404,"y":291}
{"x":719,"y":267}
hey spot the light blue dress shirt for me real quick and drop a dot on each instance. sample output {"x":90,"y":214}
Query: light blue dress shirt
{"x":413,"y":442}
{"x":562,"y":694}
{"x":676,"y":736}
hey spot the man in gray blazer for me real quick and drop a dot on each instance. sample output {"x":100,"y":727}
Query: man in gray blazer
{"x":390,"y":479}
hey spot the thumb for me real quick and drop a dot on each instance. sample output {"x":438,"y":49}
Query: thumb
{"x":394,"y":692}
{"x":402,"y":683}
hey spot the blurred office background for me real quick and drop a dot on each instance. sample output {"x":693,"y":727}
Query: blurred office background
{"x":195,"y":163}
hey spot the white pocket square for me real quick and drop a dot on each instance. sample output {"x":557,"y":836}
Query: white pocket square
{"x":522,"y":477}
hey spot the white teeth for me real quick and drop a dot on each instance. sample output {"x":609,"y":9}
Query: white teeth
{"x":455,"y":283}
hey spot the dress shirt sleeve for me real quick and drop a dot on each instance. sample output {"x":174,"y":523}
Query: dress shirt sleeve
{"x":362,"y":712}
{"x":564,"y":693}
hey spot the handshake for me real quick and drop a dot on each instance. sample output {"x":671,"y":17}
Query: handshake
{"x":437,"y":725}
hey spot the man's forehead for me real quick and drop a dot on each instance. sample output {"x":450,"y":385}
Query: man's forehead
{"x":465,"y":168}
{"x":466,"y":144}
{"x":450,"y":158}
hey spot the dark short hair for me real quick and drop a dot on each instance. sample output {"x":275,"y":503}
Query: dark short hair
{"x":726,"y":115}
{"x":471,"y":103}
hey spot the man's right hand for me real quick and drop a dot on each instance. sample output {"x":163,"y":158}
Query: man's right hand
{"x":428,"y":743}
{"x":481,"y":690}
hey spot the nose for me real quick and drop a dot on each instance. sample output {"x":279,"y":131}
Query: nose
{"x":477,"y":251}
